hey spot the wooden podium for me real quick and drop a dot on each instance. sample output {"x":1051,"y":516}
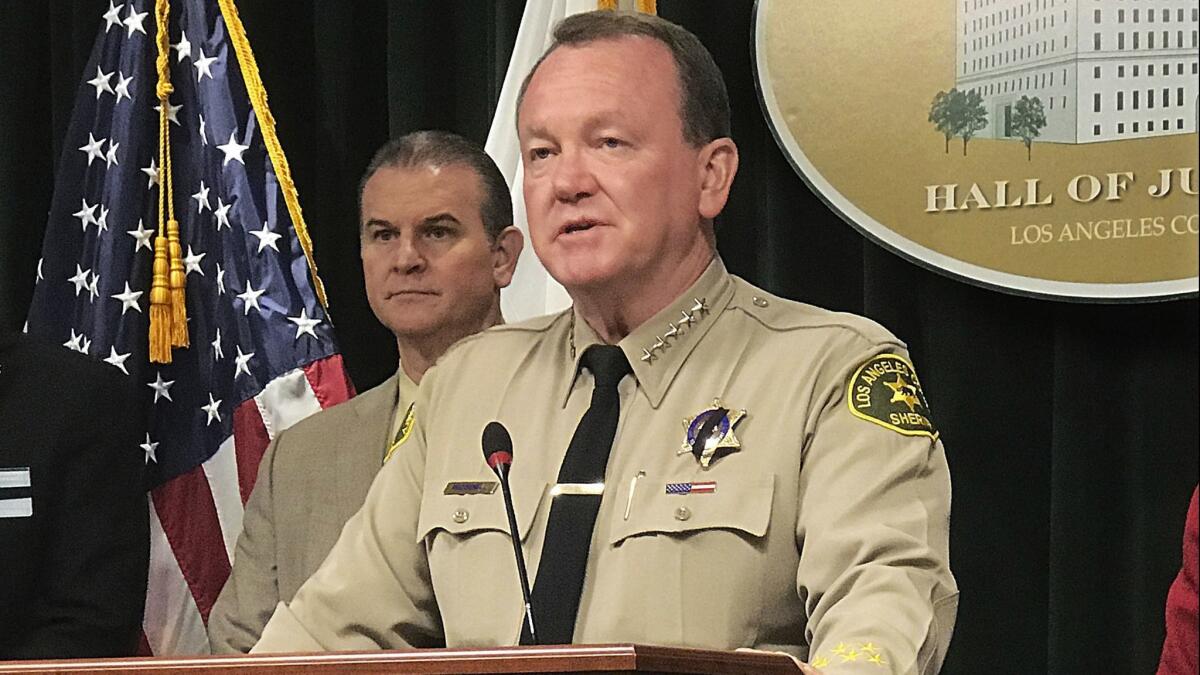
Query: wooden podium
{"x":565,"y":659}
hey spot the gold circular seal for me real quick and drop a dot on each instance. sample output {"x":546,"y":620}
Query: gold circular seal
{"x":1043,"y":147}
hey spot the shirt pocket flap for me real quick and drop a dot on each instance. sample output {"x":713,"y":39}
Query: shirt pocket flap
{"x":464,"y":515}
{"x":740,"y":503}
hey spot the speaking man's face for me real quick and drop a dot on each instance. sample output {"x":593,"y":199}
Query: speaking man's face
{"x":611,"y":187}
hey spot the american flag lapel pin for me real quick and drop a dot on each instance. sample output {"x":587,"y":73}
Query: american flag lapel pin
{"x":703,"y":487}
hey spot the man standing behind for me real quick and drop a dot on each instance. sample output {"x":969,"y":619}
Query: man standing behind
{"x":802,"y":506}
{"x":437,"y":245}
{"x":74,"y":528}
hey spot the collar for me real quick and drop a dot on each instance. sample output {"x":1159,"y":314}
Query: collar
{"x":658,"y":348}
{"x":406,"y":389}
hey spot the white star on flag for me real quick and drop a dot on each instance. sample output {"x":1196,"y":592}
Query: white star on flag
{"x":117,"y":360}
{"x":266,"y":238}
{"x":201,"y":198}
{"x":149,"y":447}
{"x":220,"y":280}
{"x":102,"y":221}
{"x":222,"y":213}
{"x":86,"y":215}
{"x":133,"y":22}
{"x":172,"y":111}
{"x":129,"y":299}
{"x":110,"y":157}
{"x":304,"y":324}
{"x":218,"y":353}
{"x":151,"y":172}
{"x":94,"y":287}
{"x":212,"y":410}
{"x":74,"y":342}
{"x":92,"y":148}
{"x":162,"y":388}
{"x":233,"y":149}
{"x":183,"y":48}
{"x":122,"y":89}
{"x":242,"y":362}
{"x":113,"y":16}
{"x":142,"y":235}
{"x":191,"y":262}
{"x":80,"y":279}
{"x":249,"y":298}
{"x":204,"y":66}
{"x":203,"y":133}
{"x":100,"y":82}
{"x":39,"y":270}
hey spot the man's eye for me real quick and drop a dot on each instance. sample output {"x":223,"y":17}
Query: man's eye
{"x":610,"y":142}
{"x":539,"y":153}
{"x":384,"y":235}
{"x":437,"y":232}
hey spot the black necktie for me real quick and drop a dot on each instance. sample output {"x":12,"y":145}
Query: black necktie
{"x":555,"y":596}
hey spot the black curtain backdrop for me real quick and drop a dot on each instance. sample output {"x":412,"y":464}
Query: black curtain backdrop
{"x":1071,"y":428}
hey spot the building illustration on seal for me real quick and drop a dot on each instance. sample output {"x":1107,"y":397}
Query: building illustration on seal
{"x":1102,"y":70}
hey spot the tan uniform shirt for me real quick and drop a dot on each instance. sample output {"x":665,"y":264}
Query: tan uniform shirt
{"x":823,"y":535}
{"x":312,"y":478}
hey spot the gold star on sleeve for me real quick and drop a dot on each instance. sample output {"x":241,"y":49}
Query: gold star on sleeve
{"x":819,"y":662}
{"x":903,"y":392}
{"x":850,"y":656}
{"x":840,"y":648}
{"x":877,"y":659}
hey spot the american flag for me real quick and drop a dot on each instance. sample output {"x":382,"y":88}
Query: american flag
{"x":262,"y":352}
{"x":696,"y":488}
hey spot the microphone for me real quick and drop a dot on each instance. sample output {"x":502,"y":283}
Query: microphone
{"x":497,"y":452}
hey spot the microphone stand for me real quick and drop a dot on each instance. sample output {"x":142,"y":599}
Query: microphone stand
{"x":502,"y":472}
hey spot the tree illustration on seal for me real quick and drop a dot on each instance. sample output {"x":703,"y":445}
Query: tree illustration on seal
{"x":958,"y":113}
{"x":1028,"y":120}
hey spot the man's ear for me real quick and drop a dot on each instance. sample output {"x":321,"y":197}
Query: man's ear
{"x":718,"y":163}
{"x":505,"y":252}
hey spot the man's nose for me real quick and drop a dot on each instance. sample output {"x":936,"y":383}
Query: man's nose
{"x":573,"y":177}
{"x":407,"y":256}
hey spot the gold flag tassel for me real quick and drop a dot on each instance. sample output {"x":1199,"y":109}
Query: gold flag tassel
{"x":643,"y":6}
{"x":160,"y":305}
{"x":168,"y":308}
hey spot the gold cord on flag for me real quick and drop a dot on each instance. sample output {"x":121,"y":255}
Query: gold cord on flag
{"x":266,"y":123}
{"x":168,"y":308}
{"x":643,"y":6}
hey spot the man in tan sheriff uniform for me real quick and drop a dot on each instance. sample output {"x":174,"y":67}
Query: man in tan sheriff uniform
{"x":437,"y":245}
{"x":812,"y":516}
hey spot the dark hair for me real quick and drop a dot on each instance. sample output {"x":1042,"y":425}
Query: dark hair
{"x":442,"y":148}
{"x":704,"y":102}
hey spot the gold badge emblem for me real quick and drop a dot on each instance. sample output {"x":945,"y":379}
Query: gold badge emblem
{"x":710,"y":433}
{"x":885,"y":390}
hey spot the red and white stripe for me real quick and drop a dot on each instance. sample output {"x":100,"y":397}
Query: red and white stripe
{"x":195,"y":518}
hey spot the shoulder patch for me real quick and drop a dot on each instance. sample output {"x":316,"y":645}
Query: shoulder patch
{"x":885,"y":390}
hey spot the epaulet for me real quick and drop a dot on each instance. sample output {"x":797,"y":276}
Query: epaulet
{"x":781,"y":314}
{"x":538,"y":324}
